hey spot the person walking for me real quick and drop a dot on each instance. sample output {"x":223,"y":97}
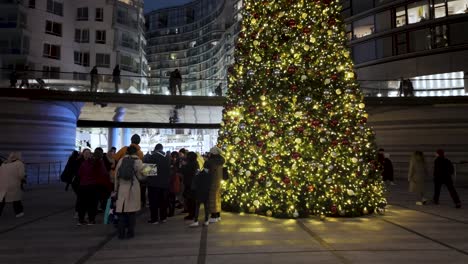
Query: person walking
{"x":128,"y":173}
{"x":443,"y":171}
{"x":386,"y":166}
{"x":116,"y":77}
{"x":214,"y":164}
{"x":94,"y":79}
{"x":417,"y":173}
{"x":12,"y":174}
{"x":158,"y":185}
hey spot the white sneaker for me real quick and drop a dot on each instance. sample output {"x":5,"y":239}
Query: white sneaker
{"x":419,"y":203}
{"x":206,"y":223}
{"x":194,"y":224}
{"x":213,"y":220}
{"x":19,"y":215}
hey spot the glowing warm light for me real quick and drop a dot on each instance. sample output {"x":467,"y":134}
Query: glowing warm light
{"x":294,"y":127}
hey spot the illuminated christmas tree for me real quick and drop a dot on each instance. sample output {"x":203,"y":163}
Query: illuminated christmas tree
{"x":294,"y":125}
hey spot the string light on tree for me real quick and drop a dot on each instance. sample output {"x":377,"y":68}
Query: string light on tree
{"x":294,"y":124}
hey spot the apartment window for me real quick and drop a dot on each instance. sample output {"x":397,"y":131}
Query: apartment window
{"x":419,"y":40}
{"x":455,"y":37}
{"x":383,"y":21}
{"x":55,"y":7}
{"x":363,"y":27}
{"x":99,"y":14}
{"x":418,"y":12}
{"x":384,"y":47}
{"x":401,"y":43}
{"x":101,"y":36}
{"x":81,"y":58}
{"x":32,"y":4}
{"x":440,"y":9}
{"x":439,"y":35}
{"x":51,"y":51}
{"x":364,"y":52}
{"x":455,"y":7}
{"x":53,"y":28}
{"x":103,"y":60}
{"x":82,"y":35}
{"x":362,"y":5}
{"x":82,"y":14}
{"x":49,"y":72}
{"x":400,"y":16}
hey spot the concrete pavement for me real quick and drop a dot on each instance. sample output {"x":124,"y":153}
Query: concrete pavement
{"x":407,"y":233}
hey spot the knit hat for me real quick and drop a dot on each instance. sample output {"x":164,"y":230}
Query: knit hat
{"x":440,"y":152}
{"x":215,"y":151}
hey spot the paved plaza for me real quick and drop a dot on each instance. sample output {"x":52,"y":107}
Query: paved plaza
{"x":407,"y":233}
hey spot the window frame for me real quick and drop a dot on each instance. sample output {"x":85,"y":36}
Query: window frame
{"x":83,"y":58}
{"x":101,"y":17}
{"x":50,"y":48}
{"x":55,"y":7}
{"x":105,"y":57}
{"x":53,"y":26}
{"x":81,"y":31}
{"x":100,"y":36}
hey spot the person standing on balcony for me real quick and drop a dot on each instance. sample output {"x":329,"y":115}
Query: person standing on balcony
{"x":94,"y":79}
{"x":116,"y":77}
{"x":25,"y":78}
{"x":13,"y":79}
{"x":219,"y":90}
{"x":175,"y":82}
{"x":12,"y":174}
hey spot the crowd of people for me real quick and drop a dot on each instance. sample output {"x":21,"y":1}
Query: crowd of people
{"x":119,"y":183}
{"x":182,"y":179}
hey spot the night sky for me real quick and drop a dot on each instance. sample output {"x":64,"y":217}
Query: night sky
{"x":151,"y":5}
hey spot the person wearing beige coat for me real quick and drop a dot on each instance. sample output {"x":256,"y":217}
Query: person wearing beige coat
{"x":12,"y":173}
{"x":128,"y":195}
{"x":417,"y":173}
{"x":214,"y":164}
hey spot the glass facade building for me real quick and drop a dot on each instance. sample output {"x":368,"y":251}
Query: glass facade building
{"x":425,"y":41}
{"x":196,"y":38}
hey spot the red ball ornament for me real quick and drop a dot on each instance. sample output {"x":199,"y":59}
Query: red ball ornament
{"x":306,"y":58}
{"x":316,"y":123}
{"x":292,"y":69}
{"x":328,"y":106}
{"x":292,"y":23}
{"x":345,"y":142}
{"x":260,"y":144}
{"x":241,"y":35}
{"x":334,"y":123}
{"x":252,"y":109}
{"x":334,"y":142}
{"x":273,"y":121}
{"x":300,"y":129}
{"x":306,"y":30}
{"x":334,"y":77}
{"x":293,"y":88}
{"x":275,"y":57}
{"x":363,"y":120}
{"x":286,"y":180}
{"x":256,"y":15}
{"x":333,"y":209}
{"x":331,"y":22}
{"x":263,"y":45}
{"x":253,"y":35}
{"x":295,"y":155}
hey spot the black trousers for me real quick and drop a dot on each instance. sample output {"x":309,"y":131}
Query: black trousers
{"x":158,"y":203}
{"x":17,"y":206}
{"x":451,"y":189}
{"x":206,"y":206}
{"x":88,"y":197}
{"x":126,"y":225}
{"x":103,"y":194}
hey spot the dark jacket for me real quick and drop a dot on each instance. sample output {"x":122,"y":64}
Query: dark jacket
{"x":92,"y":172}
{"x":189,"y":170}
{"x":443,"y":169}
{"x":164,"y":171}
{"x":201,"y":185}
{"x":387,"y":173}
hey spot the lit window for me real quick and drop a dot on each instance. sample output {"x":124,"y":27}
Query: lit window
{"x":418,"y":12}
{"x":457,"y":7}
{"x":439,"y":8}
{"x":400,"y":17}
{"x":363,"y":27}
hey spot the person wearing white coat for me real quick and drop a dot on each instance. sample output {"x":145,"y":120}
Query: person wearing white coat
{"x":11,"y":175}
{"x":128,"y":195}
{"x":417,"y":173}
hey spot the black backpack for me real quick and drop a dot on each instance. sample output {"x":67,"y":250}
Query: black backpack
{"x":127,"y":170}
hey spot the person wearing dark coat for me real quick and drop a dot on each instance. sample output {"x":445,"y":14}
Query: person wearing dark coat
{"x":443,"y":171}
{"x":13,"y":79}
{"x":201,"y":186}
{"x":189,"y":170}
{"x":94,"y":79}
{"x":91,"y":172}
{"x":175,"y":82}
{"x":386,"y":166}
{"x":116,"y":77}
{"x":158,"y":185}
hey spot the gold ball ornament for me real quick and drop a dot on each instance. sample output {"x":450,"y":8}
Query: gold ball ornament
{"x":269,"y":213}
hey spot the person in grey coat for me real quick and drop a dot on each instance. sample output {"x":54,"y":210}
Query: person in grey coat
{"x":158,"y":185}
{"x":417,"y":173}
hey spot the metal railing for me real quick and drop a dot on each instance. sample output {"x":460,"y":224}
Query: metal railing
{"x":38,"y":173}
